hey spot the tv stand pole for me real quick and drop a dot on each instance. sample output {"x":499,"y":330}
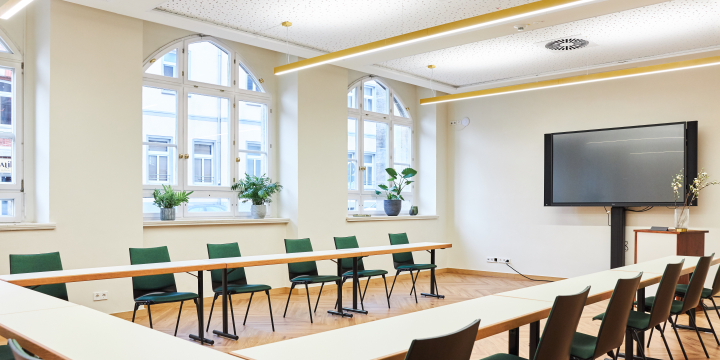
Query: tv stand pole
{"x":617,"y":237}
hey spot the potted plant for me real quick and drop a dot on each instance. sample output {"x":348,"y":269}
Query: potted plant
{"x":393,"y":193}
{"x":259,"y":190}
{"x":682,"y":212}
{"x":168,"y":199}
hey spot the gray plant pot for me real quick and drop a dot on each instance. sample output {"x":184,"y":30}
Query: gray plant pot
{"x":167,"y":214}
{"x":258,"y":211}
{"x":393,"y":207}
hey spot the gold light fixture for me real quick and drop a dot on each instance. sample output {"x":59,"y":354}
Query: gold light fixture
{"x":576,"y":80}
{"x":11,"y":8}
{"x":500,"y":16}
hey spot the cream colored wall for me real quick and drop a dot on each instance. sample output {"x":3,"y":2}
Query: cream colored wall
{"x":496,"y":167}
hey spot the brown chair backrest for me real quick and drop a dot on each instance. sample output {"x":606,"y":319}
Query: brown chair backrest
{"x":561,"y":326}
{"x":697,"y":283}
{"x":455,"y":346}
{"x":665,"y":294}
{"x":716,"y":283}
{"x":612,"y":328}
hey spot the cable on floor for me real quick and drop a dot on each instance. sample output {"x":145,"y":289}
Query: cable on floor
{"x":526,"y":276}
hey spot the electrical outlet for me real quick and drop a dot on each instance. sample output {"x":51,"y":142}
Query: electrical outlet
{"x":454,"y":122}
{"x":491,"y":259}
{"x":100,"y":295}
{"x":503,"y":260}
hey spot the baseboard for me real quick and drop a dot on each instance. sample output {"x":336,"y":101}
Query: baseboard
{"x":501,"y":274}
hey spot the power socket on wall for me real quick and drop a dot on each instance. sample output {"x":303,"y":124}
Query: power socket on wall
{"x":503,"y":260}
{"x":100,"y":295}
{"x":491,"y":259}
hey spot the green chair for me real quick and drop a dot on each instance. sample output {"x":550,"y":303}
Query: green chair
{"x":17,"y":352}
{"x":660,"y":311}
{"x":157,"y":289}
{"x":6,"y":353}
{"x":455,"y":346}
{"x":689,"y":302}
{"x":559,"y":329}
{"x":21,"y":264}
{"x":304,"y":273}
{"x":350,"y":242}
{"x":404,"y":262}
{"x":236,"y":281}
{"x":707,"y":294}
{"x":612,"y":329}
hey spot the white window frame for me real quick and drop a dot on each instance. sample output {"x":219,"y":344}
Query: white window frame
{"x":360,"y":115}
{"x":234,"y":94}
{"x":15,"y":190}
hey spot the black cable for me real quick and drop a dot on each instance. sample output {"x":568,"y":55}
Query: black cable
{"x":524,"y":275}
{"x":647,"y":208}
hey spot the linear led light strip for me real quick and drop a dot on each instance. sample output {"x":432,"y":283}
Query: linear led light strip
{"x":485,"y":20}
{"x":11,"y":8}
{"x":575,"y":80}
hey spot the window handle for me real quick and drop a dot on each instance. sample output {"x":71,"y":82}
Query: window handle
{"x":237,"y":159}
{"x":363,"y":168}
{"x":180,"y":156}
{"x":187,"y":156}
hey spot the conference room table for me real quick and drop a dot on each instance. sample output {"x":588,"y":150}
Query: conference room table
{"x":507,"y":311}
{"x":113,"y":272}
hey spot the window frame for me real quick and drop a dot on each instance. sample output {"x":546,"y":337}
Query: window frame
{"x":360,"y":195}
{"x":14,"y":60}
{"x":234,"y":94}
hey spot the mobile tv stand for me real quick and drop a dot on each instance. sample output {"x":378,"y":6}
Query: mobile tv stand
{"x":617,"y":237}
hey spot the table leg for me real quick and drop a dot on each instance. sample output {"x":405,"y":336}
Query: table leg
{"x":534,"y":338}
{"x":514,"y":342}
{"x":339,"y":311}
{"x":356,"y":286}
{"x":433,"y":293}
{"x":201,"y":314}
{"x":629,"y":351}
{"x":224,"y":332}
{"x":641,"y":308}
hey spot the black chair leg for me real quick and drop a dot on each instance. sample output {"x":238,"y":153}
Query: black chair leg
{"x":319,"y":295}
{"x":694,"y":325}
{"x":178,"y":319}
{"x":413,"y":288}
{"x":232,"y":313}
{"x":149,"y":315}
{"x":662,"y":336}
{"x":336,"y":301}
{"x":248,"y":308}
{"x":672,"y":324}
{"x":362,"y":296}
{"x":650,"y":337}
{"x":211,"y":311}
{"x":715,"y":306}
{"x":135,"y":310}
{"x":617,"y":353}
{"x":272,"y":322}
{"x":637,"y":338}
{"x":288,"y":300}
{"x":709,"y":322}
{"x":307,"y":292}
{"x":387,"y":296}
{"x":413,"y":279}
{"x":393,"y":284}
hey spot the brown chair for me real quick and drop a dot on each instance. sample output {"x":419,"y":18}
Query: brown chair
{"x":707,"y":294}
{"x":612,"y":329}
{"x":559,"y":329}
{"x":455,"y":346}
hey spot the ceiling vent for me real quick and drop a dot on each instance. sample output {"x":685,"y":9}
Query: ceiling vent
{"x":567,"y":44}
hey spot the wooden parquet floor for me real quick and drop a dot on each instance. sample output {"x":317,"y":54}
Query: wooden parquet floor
{"x":456,"y":287}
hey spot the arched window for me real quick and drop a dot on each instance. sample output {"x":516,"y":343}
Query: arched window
{"x":380,"y":134}
{"x":11,"y":137}
{"x":205,"y":125}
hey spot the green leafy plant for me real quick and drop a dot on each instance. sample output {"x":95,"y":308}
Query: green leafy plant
{"x":169,"y":198}
{"x":258,"y":189}
{"x":398,"y":183}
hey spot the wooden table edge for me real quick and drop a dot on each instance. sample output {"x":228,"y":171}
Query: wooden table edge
{"x":27,"y":343}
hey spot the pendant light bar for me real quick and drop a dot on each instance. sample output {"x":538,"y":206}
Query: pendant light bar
{"x":576,"y":80}
{"x":493,"y":18}
{"x":11,"y":8}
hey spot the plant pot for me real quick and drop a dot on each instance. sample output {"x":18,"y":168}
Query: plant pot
{"x":258,"y":211}
{"x":393,"y":207}
{"x":413,"y":210}
{"x":682,"y":219}
{"x":167,"y":214}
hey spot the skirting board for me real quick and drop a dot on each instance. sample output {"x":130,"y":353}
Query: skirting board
{"x":501,"y":275}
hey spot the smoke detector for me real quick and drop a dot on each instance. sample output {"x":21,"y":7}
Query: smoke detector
{"x":567,"y":44}
{"x":522,"y":27}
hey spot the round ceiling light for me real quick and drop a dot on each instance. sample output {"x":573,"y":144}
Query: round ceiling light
{"x":567,"y":44}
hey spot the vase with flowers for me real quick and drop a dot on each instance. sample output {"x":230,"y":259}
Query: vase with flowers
{"x":682,"y":211}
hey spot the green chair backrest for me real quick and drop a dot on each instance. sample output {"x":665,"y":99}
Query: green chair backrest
{"x":561,"y":326}
{"x":22,"y":264}
{"x":300,"y":268}
{"x":612,"y":328}
{"x":218,"y":251}
{"x":665,"y":294}
{"x":18,"y":352}
{"x":697,"y":283}
{"x":401,"y":258}
{"x":349,"y":242}
{"x":152,"y":283}
{"x":455,"y":346}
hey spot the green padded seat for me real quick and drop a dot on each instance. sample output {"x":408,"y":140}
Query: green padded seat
{"x":243,"y":289}
{"x":416,"y":267}
{"x":682,"y":289}
{"x":160,"y":298}
{"x":674,"y":309}
{"x":367,"y":273}
{"x":583,"y":345}
{"x":6,"y":353}
{"x":316,"y":278}
{"x":503,"y":357}
{"x":637,"y":320}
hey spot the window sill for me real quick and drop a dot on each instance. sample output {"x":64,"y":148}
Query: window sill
{"x":392,"y":218}
{"x":203,"y":222}
{"x":27,"y":226}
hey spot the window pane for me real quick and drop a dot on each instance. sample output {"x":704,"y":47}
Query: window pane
{"x":4,"y":48}
{"x":7,"y":207}
{"x":252,"y":126}
{"x":150,"y":208}
{"x":352,"y":154}
{"x":208,"y":139}
{"x":6,"y":155}
{"x":7,"y":128}
{"x":253,"y":164}
{"x":247,"y":81}
{"x":165,"y":66}
{"x":208,"y":63}
{"x":352,"y":98}
{"x":398,"y":109}
{"x":376,"y":97}
{"x":375,"y":157}
{"x":352,"y":205}
{"x":370,"y":205}
{"x":403,"y":145}
{"x":159,"y":127}
{"x":207,"y":205}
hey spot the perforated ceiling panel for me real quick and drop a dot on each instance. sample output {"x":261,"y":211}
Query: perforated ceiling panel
{"x":665,"y":28}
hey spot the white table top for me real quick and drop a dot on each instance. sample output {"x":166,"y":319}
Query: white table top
{"x":657,"y":266}
{"x":15,"y":299}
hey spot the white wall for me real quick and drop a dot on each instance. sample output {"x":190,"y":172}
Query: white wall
{"x":496,"y":167}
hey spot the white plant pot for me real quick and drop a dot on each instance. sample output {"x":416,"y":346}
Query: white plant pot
{"x":682,"y":218}
{"x":258,"y":211}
